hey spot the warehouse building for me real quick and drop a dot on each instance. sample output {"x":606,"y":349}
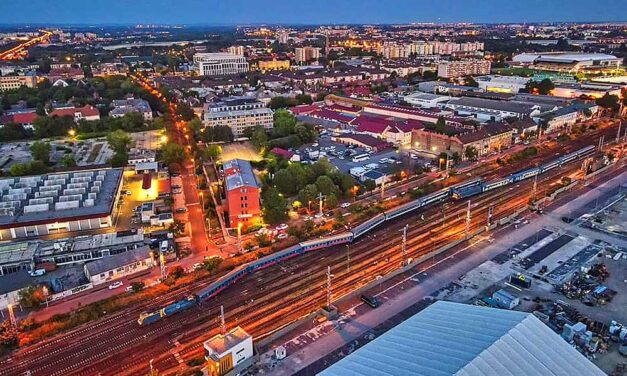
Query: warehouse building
{"x":459,"y":339}
{"x":119,"y":266}
{"x":32,"y":206}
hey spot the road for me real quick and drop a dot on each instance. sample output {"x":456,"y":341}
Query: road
{"x":18,"y":51}
{"x":265,"y":301}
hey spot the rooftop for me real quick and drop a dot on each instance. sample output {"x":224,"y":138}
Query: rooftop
{"x":112,"y":262}
{"x":239,"y":173}
{"x":222,"y":343}
{"x":459,"y":339}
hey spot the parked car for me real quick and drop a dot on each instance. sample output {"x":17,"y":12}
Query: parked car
{"x":115,"y":285}
{"x":282,"y":227}
{"x":282,"y":236}
{"x":197,"y":266}
{"x":345,"y":205}
{"x":180,"y":210}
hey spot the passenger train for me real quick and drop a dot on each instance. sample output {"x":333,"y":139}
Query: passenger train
{"x":459,"y":191}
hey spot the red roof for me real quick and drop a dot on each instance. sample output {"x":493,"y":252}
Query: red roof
{"x":323,"y":113}
{"x":19,"y":118}
{"x":286,"y":154}
{"x":85,"y":111}
{"x":378,"y":124}
{"x":340,"y":108}
{"x":304,"y":109}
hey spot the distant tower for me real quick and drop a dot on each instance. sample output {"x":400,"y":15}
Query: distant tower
{"x":326,"y":45}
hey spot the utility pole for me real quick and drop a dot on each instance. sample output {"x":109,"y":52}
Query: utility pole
{"x":620,"y":124}
{"x":382,"y":189}
{"x":490,"y":210}
{"x":601,"y":143}
{"x":348,"y":258}
{"x":404,"y":246}
{"x":320,"y":198}
{"x":468,"y":220}
{"x":12,"y":318}
{"x":222,"y":321}
{"x":152,"y":371}
{"x":534,"y":189}
{"x":164,"y":268}
{"x":329,"y":276}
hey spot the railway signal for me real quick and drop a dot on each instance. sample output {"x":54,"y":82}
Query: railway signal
{"x":404,"y":246}
{"x":467,"y":231}
{"x":490,"y":210}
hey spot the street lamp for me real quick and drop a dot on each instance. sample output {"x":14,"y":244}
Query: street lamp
{"x":71,"y":133}
{"x":239,"y":236}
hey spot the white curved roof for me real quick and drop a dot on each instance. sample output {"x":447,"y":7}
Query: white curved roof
{"x":459,"y":339}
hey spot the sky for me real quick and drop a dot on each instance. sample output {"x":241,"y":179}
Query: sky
{"x":230,"y":12}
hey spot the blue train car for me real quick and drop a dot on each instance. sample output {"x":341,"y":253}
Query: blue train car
{"x":435,"y":197}
{"x":551,"y":165}
{"x":179,"y":306}
{"x":403,"y":209}
{"x":464,"y":184}
{"x":465,"y":192}
{"x":267,"y":261}
{"x":146,"y":318}
{"x":364,"y":227}
{"x":497,"y":183}
{"x":223,"y":283}
{"x":327,"y":241}
{"x":525,"y":174}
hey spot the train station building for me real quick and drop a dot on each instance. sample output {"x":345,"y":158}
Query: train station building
{"x":32,"y":206}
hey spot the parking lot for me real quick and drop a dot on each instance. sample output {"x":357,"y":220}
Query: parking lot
{"x":341,"y":156}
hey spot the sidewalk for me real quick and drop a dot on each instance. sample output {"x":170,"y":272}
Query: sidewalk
{"x":473,"y":255}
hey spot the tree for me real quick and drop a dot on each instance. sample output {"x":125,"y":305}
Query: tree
{"x":275,"y":206}
{"x":308,"y":193}
{"x":31,"y":296}
{"x":137,"y":286}
{"x":13,"y":131}
{"x":285,"y":182}
{"x":177,"y":227}
{"x":217,"y":134}
{"x":544,"y":87}
{"x":177,"y":272}
{"x":609,"y":102}
{"x":470,"y":81}
{"x":331,"y":201}
{"x":8,"y":335}
{"x":41,"y":151}
{"x":259,"y":138}
{"x":68,"y":161}
{"x":214,"y":151}
{"x":456,"y":158}
{"x":119,"y":160}
{"x":566,"y":180}
{"x":322,"y":167}
{"x":326,"y":186}
{"x":284,"y":123}
{"x":370,"y":185}
{"x":305,"y":132}
{"x":212,"y":264}
{"x":471,"y":153}
{"x":278,"y":102}
{"x":440,"y":125}
{"x":185,"y":111}
{"x":173,"y":153}
{"x":195,"y":125}
{"x":119,"y":141}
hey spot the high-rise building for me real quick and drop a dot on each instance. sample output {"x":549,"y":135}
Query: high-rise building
{"x":236,"y":50}
{"x":305,"y":54}
{"x":218,"y":64}
{"x":453,"y":69}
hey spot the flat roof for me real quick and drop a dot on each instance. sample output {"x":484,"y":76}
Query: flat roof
{"x":450,"y":338}
{"x":241,"y":176}
{"x":222,"y":343}
{"x":85,"y":193}
{"x":116,"y":261}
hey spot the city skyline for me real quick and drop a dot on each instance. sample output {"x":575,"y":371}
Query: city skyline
{"x":321,"y":12}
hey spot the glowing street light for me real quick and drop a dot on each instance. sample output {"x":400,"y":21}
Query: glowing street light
{"x":72,"y":133}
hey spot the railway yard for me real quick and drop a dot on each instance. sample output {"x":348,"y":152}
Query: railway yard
{"x":274,"y":297}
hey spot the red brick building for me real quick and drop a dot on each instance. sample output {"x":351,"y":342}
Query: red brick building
{"x":242,"y":192}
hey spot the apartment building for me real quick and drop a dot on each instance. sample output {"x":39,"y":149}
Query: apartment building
{"x":238,"y":113}
{"x":305,"y":54}
{"x":242,"y":193}
{"x":14,"y":82}
{"x":219,"y":64}
{"x":461,"y":68}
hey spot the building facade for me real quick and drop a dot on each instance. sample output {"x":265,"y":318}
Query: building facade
{"x":15,"y":82}
{"x":242,"y":191}
{"x":219,"y":64}
{"x":239,"y":114}
{"x":461,"y":68}
{"x":305,"y":54}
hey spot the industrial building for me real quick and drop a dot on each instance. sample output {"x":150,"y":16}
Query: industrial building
{"x":118,"y":266}
{"x":219,"y":64}
{"x":425,"y":100}
{"x":569,"y":62}
{"x":39,"y":205}
{"x":242,"y":193}
{"x":502,"y":84}
{"x":230,"y":353}
{"x":458,"y":339}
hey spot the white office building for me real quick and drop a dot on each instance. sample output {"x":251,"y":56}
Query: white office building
{"x":238,"y":113}
{"x":219,"y":64}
